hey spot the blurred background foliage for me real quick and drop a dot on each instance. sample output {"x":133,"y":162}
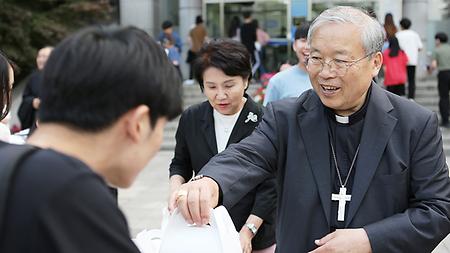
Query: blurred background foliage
{"x":28,"y":25}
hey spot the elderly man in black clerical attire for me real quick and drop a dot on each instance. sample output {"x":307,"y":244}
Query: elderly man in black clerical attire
{"x":359,"y":169}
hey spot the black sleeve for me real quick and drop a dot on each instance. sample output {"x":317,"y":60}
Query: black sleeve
{"x":426,"y":222}
{"x":83,"y":217}
{"x":266,"y":200}
{"x":254,"y":35}
{"x":244,"y":165}
{"x":181,"y":162}
{"x":26,"y":111}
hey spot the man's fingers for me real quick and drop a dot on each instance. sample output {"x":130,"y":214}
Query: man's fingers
{"x":182,"y":204}
{"x":196,"y":199}
{"x":194,"y":206}
{"x":325,"y":239}
{"x":205,"y":205}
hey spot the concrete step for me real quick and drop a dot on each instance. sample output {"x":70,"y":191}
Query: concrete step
{"x":429,"y":102}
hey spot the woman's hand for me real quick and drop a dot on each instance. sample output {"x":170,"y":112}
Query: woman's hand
{"x":246,"y":236}
{"x":175,"y":182}
{"x":172,"y":200}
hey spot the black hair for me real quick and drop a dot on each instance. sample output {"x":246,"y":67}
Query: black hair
{"x":198,"y":20}
{"x":394,"y":47}
{"x":5,"y":88}
{"x":230,"y":56}
{"x":441,"y":36}
{"x":405,"y":23}
{"x":389,"y":26}
{"x":98,"y":74}
{"x":166,"y":24}
{"x":302,"y":30}
{"x":234,"y":25}
{"x":247,"y":14}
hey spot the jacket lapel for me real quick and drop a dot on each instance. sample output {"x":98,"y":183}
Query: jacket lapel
{"x":314,"y":131}
{"x":244,"y":127}
{"x":378,"y":127}
{"x":208,"y":127}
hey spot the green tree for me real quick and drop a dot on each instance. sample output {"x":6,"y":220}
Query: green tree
{"x":28,"y":25}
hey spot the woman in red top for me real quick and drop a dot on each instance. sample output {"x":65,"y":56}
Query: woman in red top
{"x":394,"y":66}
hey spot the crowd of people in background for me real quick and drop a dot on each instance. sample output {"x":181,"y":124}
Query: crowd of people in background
{"x":400,"y":52}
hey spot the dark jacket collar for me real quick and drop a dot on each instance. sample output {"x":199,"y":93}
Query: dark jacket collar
{"x":378,"y":126}
{"x":241,"y":129}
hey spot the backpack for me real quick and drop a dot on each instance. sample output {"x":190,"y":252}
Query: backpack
{"x":15,"y":155}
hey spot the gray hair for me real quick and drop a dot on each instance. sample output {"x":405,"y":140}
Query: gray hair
{"x":372,"y":36}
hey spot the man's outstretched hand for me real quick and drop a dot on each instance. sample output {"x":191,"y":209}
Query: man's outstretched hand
{"x":196,"y":199}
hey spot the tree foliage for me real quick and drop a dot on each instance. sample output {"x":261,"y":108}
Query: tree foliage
{"x":28,"y":25}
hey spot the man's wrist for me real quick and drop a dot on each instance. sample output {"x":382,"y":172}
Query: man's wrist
{"x":214,"y":187}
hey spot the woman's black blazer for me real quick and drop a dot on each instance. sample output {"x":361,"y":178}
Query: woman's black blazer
{"x":196,"y":144}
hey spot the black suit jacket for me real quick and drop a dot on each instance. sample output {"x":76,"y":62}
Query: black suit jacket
{"x":401,"y":188}
{"x":196,"y":145}
{"x":26,"y":112}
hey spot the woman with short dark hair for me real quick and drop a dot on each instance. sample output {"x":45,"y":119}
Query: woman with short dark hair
{"x":223,"y":71}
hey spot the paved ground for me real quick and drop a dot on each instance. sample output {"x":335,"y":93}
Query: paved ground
{"x":143,"y":202}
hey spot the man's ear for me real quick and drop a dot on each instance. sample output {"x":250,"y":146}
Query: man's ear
{"x":377,"y":62}
{"x":138,"y":123}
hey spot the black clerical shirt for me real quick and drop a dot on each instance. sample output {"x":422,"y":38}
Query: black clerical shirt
{"x":345,"y":138}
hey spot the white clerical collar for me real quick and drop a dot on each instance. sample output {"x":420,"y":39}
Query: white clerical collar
{"x":342,"y":119}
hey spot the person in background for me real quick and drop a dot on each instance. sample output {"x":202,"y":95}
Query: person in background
{"x":6,"y":84}
{"x":107,"y":94}
{"x":29,"y":106}
{"x":394,"y":66}
{"x":234,"y":30}
{"x":358,"y":169}
{"x":197,"y":36}
{"x":262,"y":39}
{"x":172,"y":52}
{"x":248,"y":38}
{"x":441,"y":61}
{"x":411,"y":43}
{"x":293,"y":81}
{"x":167,"y":31}
{"x":389,"y":26}
{"x":223,"y":71}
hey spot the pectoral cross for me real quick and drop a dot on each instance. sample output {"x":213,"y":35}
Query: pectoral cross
{"x":342,"y":197}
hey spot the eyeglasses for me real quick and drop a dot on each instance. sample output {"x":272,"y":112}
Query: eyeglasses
{"x":339,"y":67}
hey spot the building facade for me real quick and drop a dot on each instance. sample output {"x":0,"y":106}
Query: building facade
{"x":278,"y":17}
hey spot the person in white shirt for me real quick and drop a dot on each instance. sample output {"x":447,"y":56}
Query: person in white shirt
{"x":411,"y":43}
{"x":223,"y":71}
